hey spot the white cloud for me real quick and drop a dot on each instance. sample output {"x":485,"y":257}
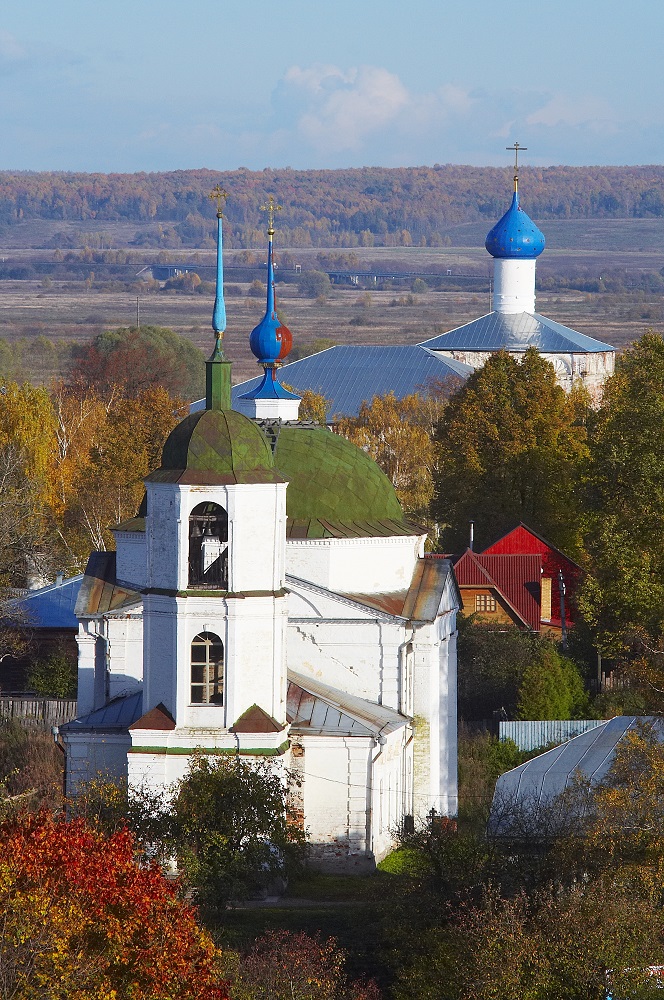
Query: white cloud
{"x":11,"y":51}
{"x":333,"y":110}
{"x":563,"y":110}
{"x":10,"y":48}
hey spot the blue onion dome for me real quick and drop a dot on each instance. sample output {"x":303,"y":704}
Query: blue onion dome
{"x":515,"y":235}
{"x":271,"y":340}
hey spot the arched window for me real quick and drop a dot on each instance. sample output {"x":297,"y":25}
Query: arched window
{"x":207,"y":670}
{"x":208,"y":547}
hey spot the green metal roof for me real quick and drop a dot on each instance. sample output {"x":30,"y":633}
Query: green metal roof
{"x":331,"y":479}
{"x":222,"y":442}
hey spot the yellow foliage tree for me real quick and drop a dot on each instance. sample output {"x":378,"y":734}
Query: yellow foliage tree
{"x":399,"y":436}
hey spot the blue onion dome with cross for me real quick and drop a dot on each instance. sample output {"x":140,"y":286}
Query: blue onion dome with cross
{"x":271,"y":340}
{"x":515,"y":235}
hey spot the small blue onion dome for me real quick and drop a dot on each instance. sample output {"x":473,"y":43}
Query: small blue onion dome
{"x":271,"y":340}
{"x":515,"y":235}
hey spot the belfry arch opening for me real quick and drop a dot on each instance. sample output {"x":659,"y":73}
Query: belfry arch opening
{"x":208,"y":547}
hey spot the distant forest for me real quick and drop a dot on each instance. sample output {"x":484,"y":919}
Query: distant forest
{"x":372,"y":206}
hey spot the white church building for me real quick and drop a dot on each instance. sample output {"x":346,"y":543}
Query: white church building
{"x":513,"y":325}
{"x":270,"y":599}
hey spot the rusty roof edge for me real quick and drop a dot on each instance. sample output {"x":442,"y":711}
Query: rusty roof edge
{"x":442,"y":571}
{"x":341,"y":598}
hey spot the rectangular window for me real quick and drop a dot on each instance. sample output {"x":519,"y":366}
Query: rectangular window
{"x":485,"y":603}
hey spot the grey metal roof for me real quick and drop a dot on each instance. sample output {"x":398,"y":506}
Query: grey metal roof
{"x":314,"y":707}
{"x":117,"y":716}
{"x":349,"y":374}
{"x":516,"y":332}
{"x":53,"y":606}
{"x":546,"y":776}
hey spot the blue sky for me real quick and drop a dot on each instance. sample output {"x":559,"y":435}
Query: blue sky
{"x":126,"y":86}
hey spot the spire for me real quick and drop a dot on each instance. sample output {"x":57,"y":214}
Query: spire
{"x":270,"y":342}
{"x":218,"y":368}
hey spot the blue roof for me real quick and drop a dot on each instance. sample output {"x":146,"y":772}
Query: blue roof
{"x":53,"y":606}
{"x":515,"y":235}
{"x":348,"y":375}
{"x":119,"y":714}
{"x":516,"y":332}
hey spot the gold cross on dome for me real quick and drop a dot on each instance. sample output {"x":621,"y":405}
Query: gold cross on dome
{"x":219,"y":195}
{"x":516,"y":148}
{"x":270,"y":208}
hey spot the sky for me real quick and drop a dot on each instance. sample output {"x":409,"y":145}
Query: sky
{"x":135,"y":85}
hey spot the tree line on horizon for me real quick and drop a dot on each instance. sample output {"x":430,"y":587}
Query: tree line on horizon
{"x":368,"y":206}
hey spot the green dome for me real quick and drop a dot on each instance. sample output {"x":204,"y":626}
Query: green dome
{"x":331,"y":479}
{"x":222,"y":442}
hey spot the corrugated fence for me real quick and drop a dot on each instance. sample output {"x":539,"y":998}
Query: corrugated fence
{"x":42,"y":712}
{"x":531,"y":735}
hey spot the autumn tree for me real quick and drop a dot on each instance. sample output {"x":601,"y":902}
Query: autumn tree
{"x":399,"y":434}
{"x":623,"y":597}
{"x":579,"y":942}
{"x":136,"y":359}
{"x":29,"y":543}
{"x":108,"y":485}
{"x":82,"y":919}
{"x":283,"y":965}
{"x":511,"y":444}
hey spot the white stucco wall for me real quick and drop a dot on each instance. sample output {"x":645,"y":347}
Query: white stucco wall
{"x":256,"y":543}
{"x":356,"y":565}
{"x":252,"y":630}
{"x":590,"y":369}
{"x":87,"y":758}
{"x":514,"y":285}
{"x":130,"y":547}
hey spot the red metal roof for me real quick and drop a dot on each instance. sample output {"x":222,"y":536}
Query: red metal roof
{"x":522,"y":540}
{"x":515,"y":577}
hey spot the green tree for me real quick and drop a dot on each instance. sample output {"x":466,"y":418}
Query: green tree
{"x":552,"y":688}
{"x":54,"y":677}
{"x":314,"y":284}
{"x":234,"y":831}
{"x":623,"y":597}
{"x":511,"y":447}
{"x":492,"y":660}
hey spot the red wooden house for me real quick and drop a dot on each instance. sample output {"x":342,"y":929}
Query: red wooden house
{"x":517,"y":580}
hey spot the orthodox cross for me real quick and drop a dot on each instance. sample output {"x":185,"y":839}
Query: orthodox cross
{"x":270,"y":208}
{"x":516,"y":148}
{"x":219,"y":195}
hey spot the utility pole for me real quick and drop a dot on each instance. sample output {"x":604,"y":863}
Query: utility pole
{"x":138,"y":313}
{"x":563,"y":623}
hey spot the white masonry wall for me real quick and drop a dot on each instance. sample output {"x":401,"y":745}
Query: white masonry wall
{"x":356,"y":565}
{"x":514,"y":285}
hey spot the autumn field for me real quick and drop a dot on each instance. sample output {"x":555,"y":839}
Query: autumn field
{"x":60,"y":315}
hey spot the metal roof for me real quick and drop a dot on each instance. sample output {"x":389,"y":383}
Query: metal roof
{"x":541,"y":779}
{"x":100,"y":592}
{"x":313,"y":707}
{"x":516,"y":332}
{"x":52,"y":606}
{"x":117,"y":716}
{"x":516,"y":577}
{"x":348,"y":375}
{"x":300,"y":528}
